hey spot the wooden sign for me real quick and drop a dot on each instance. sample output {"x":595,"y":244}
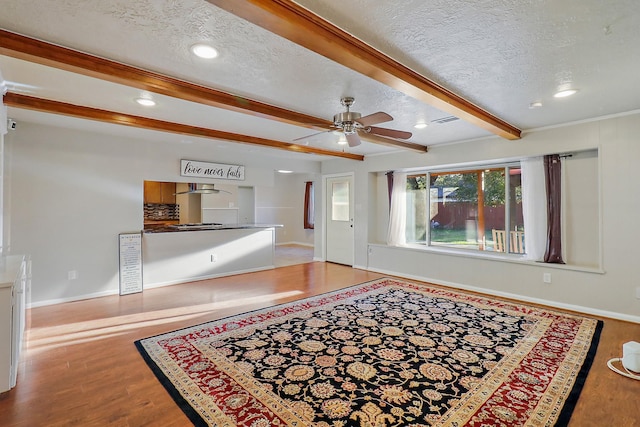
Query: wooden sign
{"x":211,"y":170}
{"x":130,"y":263}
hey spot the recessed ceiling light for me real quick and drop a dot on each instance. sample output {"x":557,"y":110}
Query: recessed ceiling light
{"x":420,"y":125}
{"x":565,"y":93}
{"x":284,"y":171}
{"x":147,"y":102}
{"x":536,"y":104}
{"x":204,"y":51}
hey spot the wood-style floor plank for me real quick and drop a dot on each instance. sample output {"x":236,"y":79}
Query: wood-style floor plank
{"x":82,"y":369}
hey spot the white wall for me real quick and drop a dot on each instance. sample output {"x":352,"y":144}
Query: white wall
{"x":609,"y":289}
{"x":581,"y":209}
{"x":3,"y":131}
{"x":221,"y":207}
{"x":73,"y":191}
{"x":283,"y":203}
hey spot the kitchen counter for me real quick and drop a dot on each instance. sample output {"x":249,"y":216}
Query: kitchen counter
{"x":184,"y":253}
{"x":161,"y":228}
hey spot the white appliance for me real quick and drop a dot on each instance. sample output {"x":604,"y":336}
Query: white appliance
{"x":631,"y":356}
{"x":630,"y":361}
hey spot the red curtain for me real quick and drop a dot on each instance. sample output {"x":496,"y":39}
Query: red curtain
{"x":308,"y":205}
{"x":390,"y":186}
{"x":553,"y":169}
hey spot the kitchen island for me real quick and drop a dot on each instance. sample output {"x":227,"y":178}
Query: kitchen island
{"x":182,"y":253}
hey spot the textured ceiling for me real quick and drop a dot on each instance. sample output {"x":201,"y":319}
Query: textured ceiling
{"x":500,"y":55}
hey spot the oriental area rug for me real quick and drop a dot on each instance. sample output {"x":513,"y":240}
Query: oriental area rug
{"x":380,"y":354}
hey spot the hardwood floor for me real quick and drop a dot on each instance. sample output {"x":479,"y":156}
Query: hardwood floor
{"x":82,"y":369}
{"x":290,"y":254}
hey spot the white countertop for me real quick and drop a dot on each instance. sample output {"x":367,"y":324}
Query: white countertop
{"x":206,"y":227}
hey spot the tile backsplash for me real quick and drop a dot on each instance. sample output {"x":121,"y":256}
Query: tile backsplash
{"x":161,"y":211}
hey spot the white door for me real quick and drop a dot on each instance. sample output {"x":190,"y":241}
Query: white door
{"x":339,"y":219}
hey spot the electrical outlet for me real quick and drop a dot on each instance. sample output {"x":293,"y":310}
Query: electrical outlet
{"x":214,"y":257}
{"x":72,"y":274}
{"x":546,"y":277}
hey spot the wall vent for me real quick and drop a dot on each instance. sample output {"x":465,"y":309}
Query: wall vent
{"x":445,"y":120}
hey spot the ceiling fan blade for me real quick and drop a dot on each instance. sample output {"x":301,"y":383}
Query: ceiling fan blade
{"x":353,"y":139}
{"x":389,"y":133}
{"x":375,"y":118}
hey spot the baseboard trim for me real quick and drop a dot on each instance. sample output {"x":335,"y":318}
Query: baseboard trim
{"x":309,"y":245}
{"x":72,"y":299}
{"x":548,"y":303}
{"x":209,"y":276}
{"x":145,"y":286}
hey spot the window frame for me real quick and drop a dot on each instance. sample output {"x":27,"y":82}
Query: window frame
{"x":497,"y":166}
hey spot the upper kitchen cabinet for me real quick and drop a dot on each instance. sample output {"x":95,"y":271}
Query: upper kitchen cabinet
{"x":168,"y":192}
{"x":159,"y":192}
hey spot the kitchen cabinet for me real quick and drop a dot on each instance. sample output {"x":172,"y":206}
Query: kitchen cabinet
{"x":13,"y":286}
{"x":159,"y":192}
{"x":167,"y":192}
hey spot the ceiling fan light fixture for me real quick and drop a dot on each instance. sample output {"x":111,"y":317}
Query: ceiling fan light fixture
{"x":205,"y":51}
{"x":349,"y":127}
{"x":350,"y":124}
{"x":564,"y":93}
{"x":147,"y":102}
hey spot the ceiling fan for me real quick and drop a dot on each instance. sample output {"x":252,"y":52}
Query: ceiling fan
{"x":204,"y":189}
{"x":353,"y":124}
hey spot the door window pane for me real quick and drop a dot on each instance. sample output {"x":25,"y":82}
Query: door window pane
{"x":340,"y":201}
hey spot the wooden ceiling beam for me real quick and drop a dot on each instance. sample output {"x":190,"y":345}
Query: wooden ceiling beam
{"x":56,"y":107}
{"x":301,"y":26}
{"x":40,"y":52}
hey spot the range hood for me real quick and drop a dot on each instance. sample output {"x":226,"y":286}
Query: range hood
{"x":202,"y":189}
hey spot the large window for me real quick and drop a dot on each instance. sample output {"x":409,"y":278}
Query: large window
{"x":479,"y":209}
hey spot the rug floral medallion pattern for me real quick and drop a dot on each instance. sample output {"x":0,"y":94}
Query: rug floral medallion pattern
{"x":383,"y":353}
